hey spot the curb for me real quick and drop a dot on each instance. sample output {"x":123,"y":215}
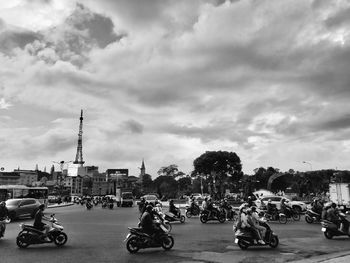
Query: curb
{"x":324,"y":258}
{"x":61,"y":205}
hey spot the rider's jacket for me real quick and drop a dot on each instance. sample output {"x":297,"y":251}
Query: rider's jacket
{"x":3,"y":212}
{"x":146,"y":222}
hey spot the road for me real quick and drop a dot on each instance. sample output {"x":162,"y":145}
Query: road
{"x":97,"y":236}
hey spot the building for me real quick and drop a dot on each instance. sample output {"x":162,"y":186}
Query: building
{"x":27,"y":177}
{"x":9,"y":178}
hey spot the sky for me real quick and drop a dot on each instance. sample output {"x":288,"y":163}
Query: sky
{"x":164,"y":81}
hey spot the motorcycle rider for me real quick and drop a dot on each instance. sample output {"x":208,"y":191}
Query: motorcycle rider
{"x":285,"y":208}
{"x":146,"y":222}
{"x":212,"y":210}
{"x":257,"y":221}
{"x":254,"y":227}
{"x":193,"y":204}
{"x":227,"y":207}
{"x":317,"y":206}
{"x":38,"y":224}
{"x":205,"y":204}
{"x":250,"y":201}
{"x":333,"y":216}
{"x":173,"y":209}
{"x":4,"y":213}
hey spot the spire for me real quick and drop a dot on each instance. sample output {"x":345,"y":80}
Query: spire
{"x":79,"y":155}
{"x":142,"y":169}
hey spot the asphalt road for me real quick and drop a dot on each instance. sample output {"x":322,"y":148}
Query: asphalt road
{"x":97,"y":236}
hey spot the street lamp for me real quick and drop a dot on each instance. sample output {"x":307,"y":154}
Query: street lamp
{"x":308,"y":164}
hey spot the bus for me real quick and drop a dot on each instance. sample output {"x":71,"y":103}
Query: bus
{"x":21,"y":191}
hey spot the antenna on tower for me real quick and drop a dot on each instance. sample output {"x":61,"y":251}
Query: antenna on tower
{"x":79,"y":155}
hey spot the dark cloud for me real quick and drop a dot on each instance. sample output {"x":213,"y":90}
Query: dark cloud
{"x":11,"y":38}
{"x":71,"y":41}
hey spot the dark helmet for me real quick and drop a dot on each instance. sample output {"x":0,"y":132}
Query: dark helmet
{"x":42,"y":206}
{"x":149,"y":208}
{"x":253,"y":208}
{"x":334,"y":205}
{"x":171,"y":201}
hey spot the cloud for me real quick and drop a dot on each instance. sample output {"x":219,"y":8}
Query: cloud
{"x":4,"y":105}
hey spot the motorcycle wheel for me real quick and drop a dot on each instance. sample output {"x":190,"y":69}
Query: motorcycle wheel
{"x":188,"y":214}
{"x":282,"y":219}
{"x":328,"y":234}
{"x":131,"y":245}
{"x":167,"y":242}
{"x":21,"y":241}
{"x":296,"y":217}
{"x":203,"y":219}
{"x":242,"y":244}
{"x":274,"y":241}
{"x":60,"y":239}
{"x":168,"y":226}
{"x":309,"y":219}
{"x":182,"y":219}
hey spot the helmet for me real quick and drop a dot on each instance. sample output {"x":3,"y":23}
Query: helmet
{"x":253,"y":208}
{"x":249,"y":211}
{"x":42,"y":206}
{"x":2,"y":203}
{"x":149,"y":208}
{"x":269,"y":201}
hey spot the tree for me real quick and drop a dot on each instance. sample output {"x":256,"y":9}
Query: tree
{"x":147,"y":183}
{"x":185,"y":185}
{"x":166,"y":186}
{"x":170,"y":170}
{"x":217,"y":166}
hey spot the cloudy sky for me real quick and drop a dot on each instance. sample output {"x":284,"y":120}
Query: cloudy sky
{"x":167,"y":80}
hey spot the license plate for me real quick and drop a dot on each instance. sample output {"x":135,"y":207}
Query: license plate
{"x":236,"y":240}
{"x":127,"y":237}
{"x":323,"y":229}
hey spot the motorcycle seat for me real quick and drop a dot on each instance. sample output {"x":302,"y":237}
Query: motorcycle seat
{"x":32,"y":228}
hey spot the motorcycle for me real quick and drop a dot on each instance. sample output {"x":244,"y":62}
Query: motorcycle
{"x":245,"y":238}
{"x":282,"y":217}
{"x":174,"y":218}
{"x":311,"y":216}
{"x":95,"y":202}
{"x":220,"y":215}
{"x":192,"y":211}
{"x":29,"y":235}
{"x":330,"y":229}
{"x":137,"y":239}
{"x":3,"y":226}
{"x":110,"y":205}
{"x":104,"y":204}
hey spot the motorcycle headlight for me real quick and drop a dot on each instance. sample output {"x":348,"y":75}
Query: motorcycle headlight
{"x":21,"y":226}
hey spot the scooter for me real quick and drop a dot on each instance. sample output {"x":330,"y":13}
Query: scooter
{"x":220,"y":215}
{"x":104,"y":204}
{"x":3,"y":226}
{"x":330,"y":229}
{"x":174,"y":218}
{"x":29,"y":235}
{"x":192,"y":211}
{"x":245,"y":239}
{"x":137,"y":239}
{"x":311,"y":216}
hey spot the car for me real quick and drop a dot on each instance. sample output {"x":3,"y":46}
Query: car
{"x":22,"y":207}
{"x":276,"y":200}
{"x":150,"y":198}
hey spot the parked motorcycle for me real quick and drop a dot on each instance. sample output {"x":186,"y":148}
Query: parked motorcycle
{"x":3,"y":226}
{"x":220,"y":215}
{"x":104,"y":204}
{"x":29,"y":235}
{"x":174,"y":218}
{"x":192,"y":211}
{"x":330,"y":229}
{"x":245,"y":238}
{"x":137,"y":239}
{"x":311,"y":216}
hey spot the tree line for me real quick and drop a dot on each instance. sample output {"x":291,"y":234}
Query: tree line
{"x":219,"y":172}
